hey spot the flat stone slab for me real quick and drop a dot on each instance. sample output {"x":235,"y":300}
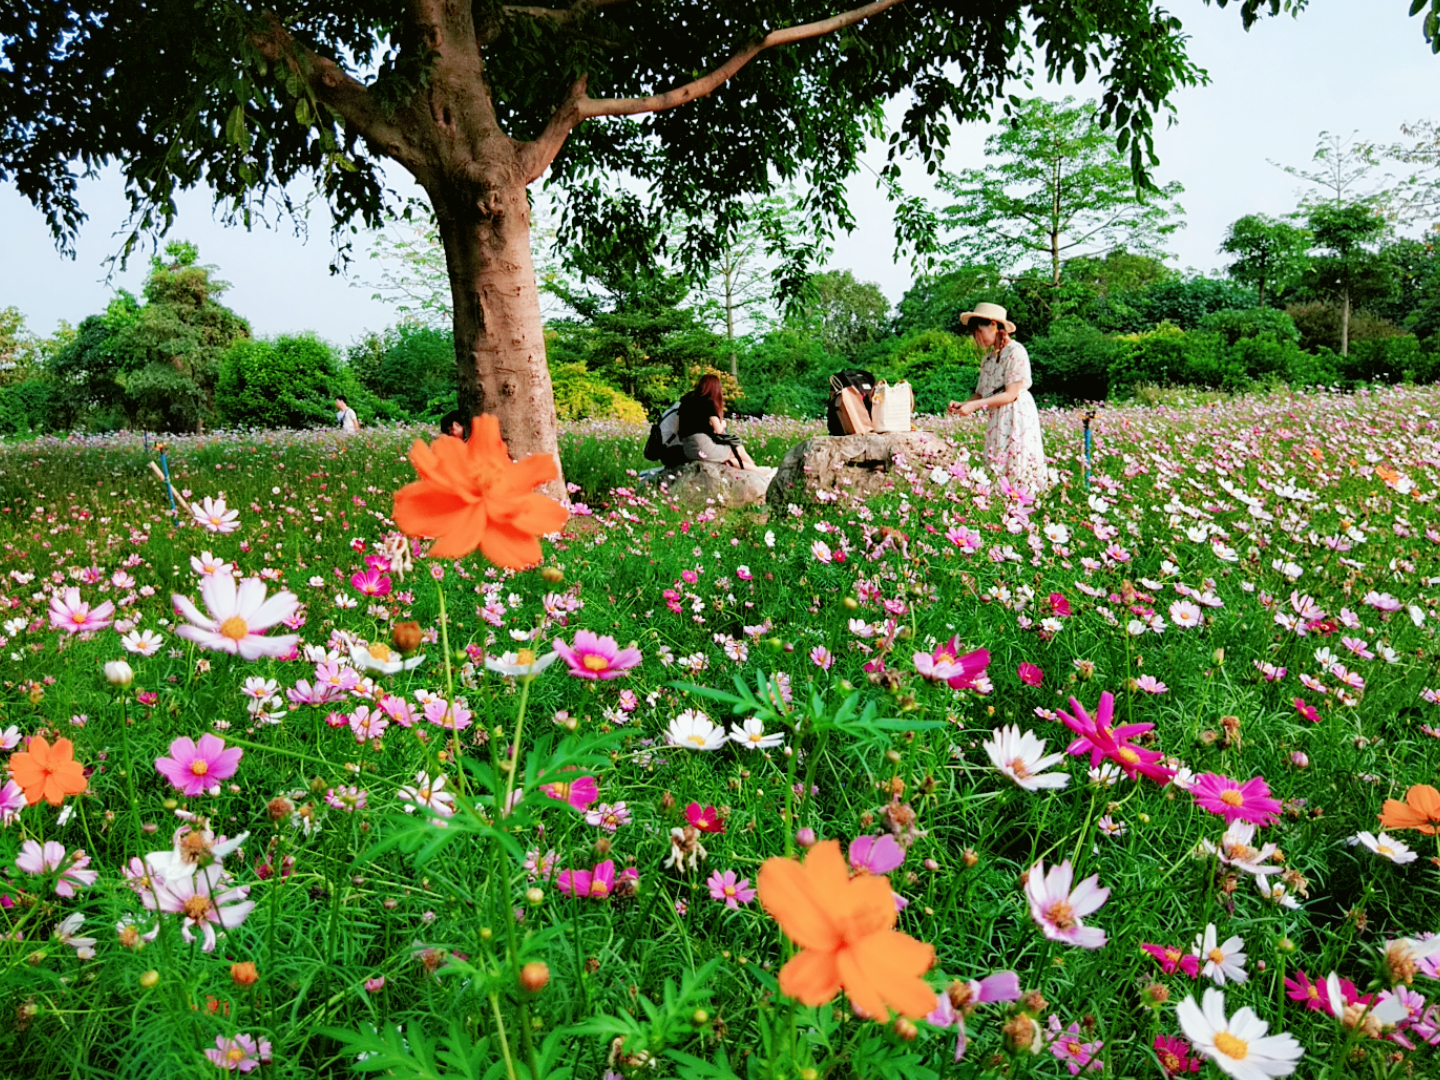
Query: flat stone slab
{"x":858,"y":466}
{"x":698,"y":482}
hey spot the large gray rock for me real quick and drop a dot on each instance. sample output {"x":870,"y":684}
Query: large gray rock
{"x":856,"y":465}
{"x":697,"y":482}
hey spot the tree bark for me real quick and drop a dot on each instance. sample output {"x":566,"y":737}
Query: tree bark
{"x":1345,"y":325}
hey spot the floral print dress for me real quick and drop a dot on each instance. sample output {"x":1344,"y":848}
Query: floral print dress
{"x":1013,"y":447}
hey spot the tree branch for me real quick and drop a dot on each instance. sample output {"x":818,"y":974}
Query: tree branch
{"x":579,"y":106}
{"x":332,"y":86}
{"x":560,"y":15}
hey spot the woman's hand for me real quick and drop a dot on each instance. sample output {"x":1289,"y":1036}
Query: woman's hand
{"x":962,"y":408}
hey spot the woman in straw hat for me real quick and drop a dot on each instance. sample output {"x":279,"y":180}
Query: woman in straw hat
{"x":1013,"y":447}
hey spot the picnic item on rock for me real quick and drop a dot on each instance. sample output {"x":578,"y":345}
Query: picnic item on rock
{"x":891,"y":406}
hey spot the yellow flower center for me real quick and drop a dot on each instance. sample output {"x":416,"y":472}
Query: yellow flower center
{"x":1127,"y":755}
{"x":199,"y":767}
{"x":1384,"y":850}
{"x":235,"y":1055}
{"x":79,"y":618}
{"x":1074,"y":1048}
{"x":1232,"y":797}
{"x":1216,"y":956}
{"x":729,"y":890}
{"x":1061,"y":914}
{"x":1018,"y":768}
{"x":595,"y":663}
{"x":695,"y":740}
{"x":234,"y":628}
{"x":1233,"y":1048}
{"x":381,"y":652}
{"x":599,"y":888}
{"x":197,"y":907}
{"x":1169,"y":1061}
{"x":525,"y":657}
{"x":944,"y":658}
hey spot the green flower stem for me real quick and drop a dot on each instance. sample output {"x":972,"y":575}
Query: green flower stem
{"x":504,"y":1042}
{"x":513,"y":761}
{"x":450,"y":690}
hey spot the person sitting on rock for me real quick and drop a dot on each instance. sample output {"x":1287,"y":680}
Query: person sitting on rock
{"x":702,"y":427}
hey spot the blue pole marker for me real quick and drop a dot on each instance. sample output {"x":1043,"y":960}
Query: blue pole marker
{"x":165,"y":465}
{"x":1086,"y":417}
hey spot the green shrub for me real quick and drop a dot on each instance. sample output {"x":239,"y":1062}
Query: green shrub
{"x":1320,"y":367}
{"x":411,"y":367}
{"x":1382,"y":359}
{"x":29,"y":406}
{"x":290,"y":382}
{"x":1169,"y":356}
{"x":1073,"y":363}
{"x":1236,"y":324}
{"x":1263,"y":359}
{"x":1184,"y":302}
{"x":579,"y":395}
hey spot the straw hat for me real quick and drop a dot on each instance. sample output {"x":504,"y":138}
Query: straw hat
{"x":988,"y":311}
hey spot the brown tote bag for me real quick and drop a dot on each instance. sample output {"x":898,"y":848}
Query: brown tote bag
{"x":854,"y":417}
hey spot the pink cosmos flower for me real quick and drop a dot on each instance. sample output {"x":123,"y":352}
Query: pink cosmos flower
{"x":302,"y":693}
{"x":1058,"y":911}
{"x":35,"y":858}
{"x":1305,"y":709}
{"x":371,"y":583}
{"x":594,"y":657}
{"x":12,"y":801}
{"x":875,"y":854}
{"x":73,"y":615}
{"x":1059,"y":606}
{"x":608,"y":817}
{"x":596,"y":884}
{"x":367,"y":723}
{"x":236,"y":617}
{"x":212,"y":515}
{"x":446,"y":715}
{"x":579,"y":793}
{"x":821,"y":658}
{"x":398,"y":709}
{"x":1101,"y":740}
{"x":240,"y":1054}
{"x":1173,"y":1053}
{"x":960,"y":999}
{"x":1030,"y":675}
{"x":732,"y":893}
{"x":195,"y":768}
{"x":1068,"y":1046}
{"x":428,"y":794}
{"x":1171,"y":958}
{"x":205,"y":902}
{"x":946,"y":664}
{"x":705,"y":818}
{"x":1232,"y":800}
{"x":1300,"y":988}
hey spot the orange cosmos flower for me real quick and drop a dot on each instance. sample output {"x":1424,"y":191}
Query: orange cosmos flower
{"x":471,"y":495}
{"x":48,"y":772}
{"x":844,"y":928}
{"x":1420,"y":810}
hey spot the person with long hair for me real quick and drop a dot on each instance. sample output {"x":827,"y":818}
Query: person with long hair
{"x":702,"y":427}
{"x":1013,"y":447}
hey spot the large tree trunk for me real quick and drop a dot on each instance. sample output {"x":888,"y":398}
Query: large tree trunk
{"x":499,"y":338}
{"x":1345,"y":326}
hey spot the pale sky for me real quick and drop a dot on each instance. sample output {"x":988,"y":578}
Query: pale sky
{"x":1341,"y":66}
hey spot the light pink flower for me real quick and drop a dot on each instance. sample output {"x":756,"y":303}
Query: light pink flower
{"x":595,"y":657}
{"x":240,"y":1054}
{"x":73,"y":615}
{"x":428,"y":794}
{"x":947,"y":664}
{"x":1001,"y":986}
{"x":205,"y":902}
{"x":821,"y":658}
{"x":236,"y":618}
{"x":1058,"y":911}
{"x":579,"y":793}
{"x":212,"y":515}
{"x":35,"y":858}
{"x":12,"y":801}
{"x":195,"y":768}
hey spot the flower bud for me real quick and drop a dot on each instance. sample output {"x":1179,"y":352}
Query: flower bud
{"x":244,"y":973}
{"x":534,"y":976}
{"x":806,"y":838}
{"x":119,"y":673}
{"x":905,"y":1030}
{"x":1285,"y":945}
{"x":406,"y":637}
{"x":552,"y":574}
{"x":150,"y":979}
{"x":700,"y":1018}
{"x":850,"y":603}
{"x":1299,"y":759}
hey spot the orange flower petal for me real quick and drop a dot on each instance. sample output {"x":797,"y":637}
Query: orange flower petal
{"x":510,"y":548}
{"x":538,"y":515}
{"x":796,"y":896}
{"x":810,"y":977}
{"x":883,"y":971}
{"x":1425,"y":800}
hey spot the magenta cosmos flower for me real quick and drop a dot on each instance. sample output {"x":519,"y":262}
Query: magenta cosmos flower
{"x":730,"y":891}
{"x":195,"y":768}
{"x":1235,"y":801}
{"x":240,"y":1054}
{"x":597,"y":884}
{"x":1172,"y":959}
{"x":594,"y":657}
{"x":371,"y":583}
{"x":1058,"y":911}
{"x":946,"y":664}
{"x":960,"y":998}
{"x":579,"y":793}
{"x":237,"y":617}
{"x":1102,"y":741}
{"x":1030,"y":675}
{"x":73,"y":615}
{"x":1173,"y":1054}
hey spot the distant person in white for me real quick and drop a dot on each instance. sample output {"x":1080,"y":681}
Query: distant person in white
{"x":345,"y":416}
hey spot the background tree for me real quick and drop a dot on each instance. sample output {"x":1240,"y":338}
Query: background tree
{"x":1266,"y":251}
{"x":1345,"y":171}
{"x":478,"y":99}
{"x":846,"y":314}
{"x":1058,"y":188}
{"x":1347,"y":266}
{"x":290,"y":382}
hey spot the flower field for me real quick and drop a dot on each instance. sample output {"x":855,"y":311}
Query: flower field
{"x":1136,"y":780}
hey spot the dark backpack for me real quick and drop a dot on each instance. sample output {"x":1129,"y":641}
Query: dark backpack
{"x":863,"y":381}
{"x":664,"y":444}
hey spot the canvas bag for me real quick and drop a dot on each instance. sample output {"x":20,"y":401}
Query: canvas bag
{"x":892,"y":406}
{"x":854,"y":417}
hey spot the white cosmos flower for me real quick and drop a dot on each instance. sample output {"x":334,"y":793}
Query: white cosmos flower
{"x":693,"y":730}
{"x":1236,"y":848}
{"x":1185,"y":614}
{"x":65,"y":933}
{"x":142,"y":642}
{"x":1238,"y":1046}
{"x":212,"y":514}
{"x":1022,"y":757}
{"x":236,"y":617}
{"x":1277,"y":891}
{"x":1385,"y":846}
{"x":380,"y":657}
{"x":1222,"y":962}
{"x":1057,"y":533}
{"x":751,"y":735}
{"x":208,"y":564}
{"x":522,"y":664}
{"x":1384,"y":1010}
